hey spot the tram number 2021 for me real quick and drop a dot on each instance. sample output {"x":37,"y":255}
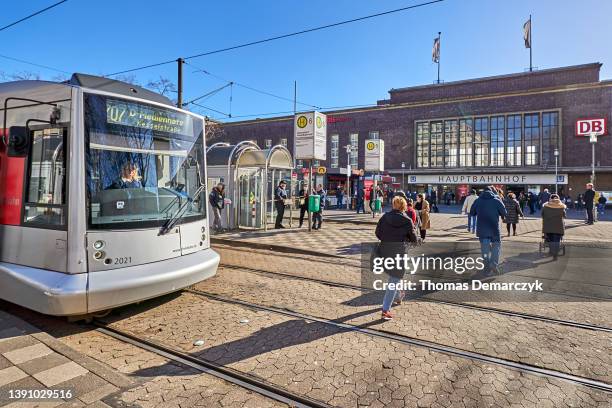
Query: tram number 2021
{"x":123,"y":260}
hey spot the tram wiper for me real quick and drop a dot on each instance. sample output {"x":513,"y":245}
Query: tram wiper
{"x":171,"y":222}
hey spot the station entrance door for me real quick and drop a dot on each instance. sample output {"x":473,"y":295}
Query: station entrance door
{"x":250,"y":206}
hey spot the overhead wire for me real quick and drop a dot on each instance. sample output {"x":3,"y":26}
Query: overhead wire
{"x":204,"y":71}
{"x":34,"y":64}
{"x":278,"y":37}
{"x":323,"y":109}
{"x":211,"y":109}
{"x":32,"y":15}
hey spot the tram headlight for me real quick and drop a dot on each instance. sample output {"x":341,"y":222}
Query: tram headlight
{"x":99,"y":255}
{"x":98,"y":245}
{"x":203,"y":237}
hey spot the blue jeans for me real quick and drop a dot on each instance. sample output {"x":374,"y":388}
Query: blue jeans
{"x":390,"y":294}
{"x":490,"y":248}
{"x":471,"y":222}
{"x":601,"y":208}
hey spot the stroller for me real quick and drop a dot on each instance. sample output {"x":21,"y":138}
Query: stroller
{"x":545,"y":245}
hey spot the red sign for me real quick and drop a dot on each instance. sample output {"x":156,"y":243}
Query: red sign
{"x":332,"y":119}
{"x":585,"y":127}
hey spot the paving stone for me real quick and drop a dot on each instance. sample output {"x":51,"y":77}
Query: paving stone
{"x":61,"y":373}
{"x":10,"y":374}
{"x":22,"y":355}
{"x":15,"y":343}
{"x":43,"y":363}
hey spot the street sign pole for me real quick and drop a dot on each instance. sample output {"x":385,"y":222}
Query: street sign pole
{"x":593,"y":140}
{"x":310,"y":192}
{"x":348,"y":176}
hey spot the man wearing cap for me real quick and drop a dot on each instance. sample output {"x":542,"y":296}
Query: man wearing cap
{"x":280,"y":195}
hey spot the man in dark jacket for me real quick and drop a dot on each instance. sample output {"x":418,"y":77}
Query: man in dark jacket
{"x":280,"y":195}
{"x":360,"y":200}
{"x":303,"y":201}
{"x":531,"y":201}
{"x":489,"y":208}
{"x":589,"y":198}
{"x":216,"y":198}
{"x":544,"y":197}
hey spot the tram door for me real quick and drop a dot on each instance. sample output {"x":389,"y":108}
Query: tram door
{"x":250,"y":183}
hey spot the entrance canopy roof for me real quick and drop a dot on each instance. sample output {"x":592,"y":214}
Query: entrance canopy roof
{"x":248,"y":155}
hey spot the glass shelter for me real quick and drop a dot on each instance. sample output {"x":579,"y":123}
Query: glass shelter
{"x":250,"y":175}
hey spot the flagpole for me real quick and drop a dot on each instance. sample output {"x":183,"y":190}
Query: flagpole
{"x":530,"y":44}
{"x":439,"y":54}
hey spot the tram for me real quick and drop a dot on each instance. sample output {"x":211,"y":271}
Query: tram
{"x":102,"y":196}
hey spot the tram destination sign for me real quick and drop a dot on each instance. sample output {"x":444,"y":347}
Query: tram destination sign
{"x":310,"y":136}
{"x":148,"y":117}
{"x":487,"y":178}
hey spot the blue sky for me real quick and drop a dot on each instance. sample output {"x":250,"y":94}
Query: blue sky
{"x":354,"y":64}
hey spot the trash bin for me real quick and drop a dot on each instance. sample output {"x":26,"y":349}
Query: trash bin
{"x":377,"y":204}
{"x":314,"y":203}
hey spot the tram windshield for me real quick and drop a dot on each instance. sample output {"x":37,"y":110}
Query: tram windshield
{"x":144,"y":163}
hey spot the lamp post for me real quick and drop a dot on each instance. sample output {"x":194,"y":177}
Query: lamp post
{"x":556,"y":171}
{"x":593,"y":140}
{"x":348,"y":175}
{"x":403,"y":167}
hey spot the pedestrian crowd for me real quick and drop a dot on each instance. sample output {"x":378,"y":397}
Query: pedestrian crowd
{"x":407,"y":223}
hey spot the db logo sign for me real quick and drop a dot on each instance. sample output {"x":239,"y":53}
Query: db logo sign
{"x":586,"y":127}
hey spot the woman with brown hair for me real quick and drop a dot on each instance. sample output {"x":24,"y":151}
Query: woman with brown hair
{"x":422,"y":209}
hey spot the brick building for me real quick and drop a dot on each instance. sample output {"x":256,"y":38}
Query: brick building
{"x":501,"y":130}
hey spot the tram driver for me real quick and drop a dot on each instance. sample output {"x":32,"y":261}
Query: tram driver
{"x":129,"y":177}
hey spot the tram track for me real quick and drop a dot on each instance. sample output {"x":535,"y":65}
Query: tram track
{"x":356,"y":262}
{"x":407,"y":340}
{"x":205,"y":366}
{"x":503,"y":312}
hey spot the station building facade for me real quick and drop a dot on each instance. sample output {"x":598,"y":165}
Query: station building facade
{"x":517,"y":131}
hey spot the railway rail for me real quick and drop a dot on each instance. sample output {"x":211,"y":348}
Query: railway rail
{"x":526,"y":368}
{"x":224,"y":373}
{"x":503,"y":312}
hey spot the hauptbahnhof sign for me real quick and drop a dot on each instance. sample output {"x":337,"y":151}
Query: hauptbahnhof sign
{"x":487,"y":179}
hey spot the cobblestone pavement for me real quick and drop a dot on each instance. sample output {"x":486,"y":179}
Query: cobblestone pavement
{"x":149,"y":380}
{"x":344,"y":238}
{"x":347,"y":271}
{"x":338,"y":367}
{"x":33,"y":360}
{"x":576,"y":351}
